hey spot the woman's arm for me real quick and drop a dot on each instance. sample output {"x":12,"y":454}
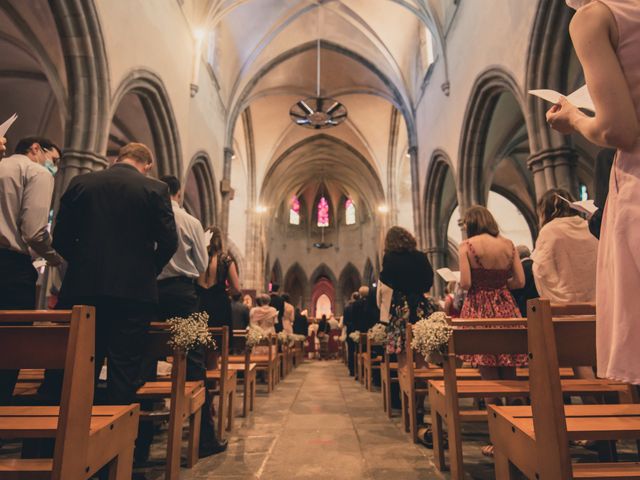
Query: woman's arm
{"x":465,"y":266}
{"x":615,"y":123}
{"x":234,"y":281}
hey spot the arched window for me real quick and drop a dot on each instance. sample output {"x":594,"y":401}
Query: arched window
{"x":349,"y":212}
{"x":323,"y":212}
{"x":294,"y":211}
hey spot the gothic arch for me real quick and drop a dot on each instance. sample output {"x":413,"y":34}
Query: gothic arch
{"x":199,"y":192}
{"x":349,"y":282}
{"x":296,"y":285}
{"x":275,"y":275}
{"x":368,"y":274}
{"x":154,"y":98}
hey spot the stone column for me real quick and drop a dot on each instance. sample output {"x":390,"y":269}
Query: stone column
{"x":415,"y":193}
{"x":437,"y":257}
{"x":75,"y":162}
{"x":554,"y":168}
{"x":225,"y":191}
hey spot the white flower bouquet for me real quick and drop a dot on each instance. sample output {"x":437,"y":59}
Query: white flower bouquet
{"x":355,"y":336}
{"x":283,"y":337}
{"x":254,"y":336}
{"x":297,"y":337}
{"x":378,"y":333}
{"x":431,"y":336}
{"x":191,"y":332}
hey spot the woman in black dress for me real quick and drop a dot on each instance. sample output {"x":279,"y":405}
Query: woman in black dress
{"x":215,"y":283}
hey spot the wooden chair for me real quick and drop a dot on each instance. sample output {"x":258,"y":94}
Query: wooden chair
{"x":387,"y":368}
{"x":298,"y":353}
{"x":187,"y":399}
{"x":248,"y":370}
{"x":362,"y":349}
{"x":493,"y":337}
{"x":414,"y":383}
{"x":267,"y":362}
{"x":87,"y":438}
{"x":223,"y":378}
{"x":535,"y":440}
{"x":369,"y":363}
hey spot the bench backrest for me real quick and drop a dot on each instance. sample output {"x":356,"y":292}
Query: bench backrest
{"x":67,"y":343}
{"x":546,"y":348}
{"x":240,"y":345}
{"x":221,"y":336}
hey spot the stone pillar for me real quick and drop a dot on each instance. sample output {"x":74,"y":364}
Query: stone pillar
{"x":75,"y":162}
{"x":415,"y":192}
{"x":554,"y":168}
{"x":437,"y":257}
{"x":225,"y":192}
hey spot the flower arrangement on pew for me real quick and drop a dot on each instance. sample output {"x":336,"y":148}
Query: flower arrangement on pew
{"x":294,"y":337}
{"x":254,"y":336}
{"x":191,"y":332}
{"x":355,"y":336}
{"x":378,"y":333}
{"x":431,"y":336}
{"x":283,"y":337}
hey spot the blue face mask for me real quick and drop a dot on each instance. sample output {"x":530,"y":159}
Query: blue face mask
{"x":48,"y":164}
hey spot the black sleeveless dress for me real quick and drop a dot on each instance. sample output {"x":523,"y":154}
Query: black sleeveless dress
{"x":215,"y":300}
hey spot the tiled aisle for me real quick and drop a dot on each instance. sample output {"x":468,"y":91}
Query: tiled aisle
{"x":321,"y":424}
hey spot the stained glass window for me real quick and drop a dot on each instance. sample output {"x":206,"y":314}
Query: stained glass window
{"x":294,"y":211}
{"x":350,"y":212}
{"x":323,"y":212}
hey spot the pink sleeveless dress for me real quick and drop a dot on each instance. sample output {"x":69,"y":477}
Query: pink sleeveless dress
{"x":618,"y":278}
{"x":489,"y":297}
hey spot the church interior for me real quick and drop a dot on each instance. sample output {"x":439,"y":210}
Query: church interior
{"x":301,"y":133}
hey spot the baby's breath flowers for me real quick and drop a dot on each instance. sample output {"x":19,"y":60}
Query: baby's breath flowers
{"x":431,"y":336}
{"x":355,"y":336}
{"x":378,"y":333}
{"x":254,"y":336}
{"x":190,"y":332}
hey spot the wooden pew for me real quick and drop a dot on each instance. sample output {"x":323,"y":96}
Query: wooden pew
{"x":387,"y":367}
{"x":87,"y":438}
{"x":369,"y":364}
{"x":535,"y":439}
{"x":187,"y":399}
{"x":248,"y":370}
{"x":265,"y":362}
{"x":490,"y":336}
{"x":362,"y":349}
{"x":414,"y":381}
{"x":224,"y":378}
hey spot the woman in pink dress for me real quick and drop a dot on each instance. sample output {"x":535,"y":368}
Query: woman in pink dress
{"x":606,"y":36}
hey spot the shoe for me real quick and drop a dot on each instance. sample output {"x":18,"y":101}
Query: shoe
{"x":211,"y":448}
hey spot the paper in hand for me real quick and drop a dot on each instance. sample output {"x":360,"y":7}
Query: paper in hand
{"x":6,"y":125}
{"x":580,"y":98}
{"x":587,"y":207}
{"x":208,"y":235}
{"x":447,"y":275}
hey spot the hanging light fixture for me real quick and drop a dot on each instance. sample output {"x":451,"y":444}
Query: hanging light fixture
{"x":318,"y":112}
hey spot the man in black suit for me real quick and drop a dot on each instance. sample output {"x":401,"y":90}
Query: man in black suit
{"x":277,"y":302}
{"x":529,"y":290}
{"x":348,"y":321}
{"x":116,"y":230}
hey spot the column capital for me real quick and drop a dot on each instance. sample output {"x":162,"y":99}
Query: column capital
{"x":83,"y":160}
{"x":228,"y":152}
{"x":413,"y":150}
{"x":564,"y":155}
{"x":436,"y":251}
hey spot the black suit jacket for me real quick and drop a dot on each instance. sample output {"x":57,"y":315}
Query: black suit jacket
{"x":116,"y":230}
{"x":277,"y":302}
{"x":529,"y":290}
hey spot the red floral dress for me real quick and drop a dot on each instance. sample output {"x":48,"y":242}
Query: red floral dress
{"x":489,"y":297}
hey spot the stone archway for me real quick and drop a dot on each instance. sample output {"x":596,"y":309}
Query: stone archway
{"x":199,"y":192}
{"x":348,"y":283}
{"x":296,"y":285}
{"x":141,"y":111}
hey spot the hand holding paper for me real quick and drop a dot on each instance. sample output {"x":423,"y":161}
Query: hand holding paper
{"x":448,"y":276}
{"x":4,"y":128}
{"x":580,"y":98}
{"x":586,"y":207}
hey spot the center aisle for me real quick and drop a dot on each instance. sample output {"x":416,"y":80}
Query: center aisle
{"x":319,"y":423}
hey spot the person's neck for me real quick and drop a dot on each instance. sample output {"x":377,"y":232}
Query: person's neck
{"x":134,"y":164}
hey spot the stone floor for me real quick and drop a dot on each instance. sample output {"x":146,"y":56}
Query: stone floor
{"x":320,"y":423}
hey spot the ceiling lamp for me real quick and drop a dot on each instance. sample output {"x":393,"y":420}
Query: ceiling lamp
{"x":318,"y":112}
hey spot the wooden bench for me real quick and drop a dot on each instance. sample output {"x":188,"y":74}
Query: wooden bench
{"x":267,"y":362}
{"x":535,"y":439}
{"x":369,"y":363}
{"x":187,"y":399}
{"x":493,"y":337}
{"x":223,"y":378}
{"x":414,"y":383}
{"x":298,"y":353}
{"x":362,"y":349}
{"x":87,"y":438}
{"x":387,"y":368}
{"x":247,"y":369}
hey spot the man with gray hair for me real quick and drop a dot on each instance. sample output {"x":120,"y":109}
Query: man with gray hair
{"x":521,"y":295}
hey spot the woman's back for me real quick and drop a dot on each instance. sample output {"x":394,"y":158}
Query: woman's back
{"x":490,"y":253}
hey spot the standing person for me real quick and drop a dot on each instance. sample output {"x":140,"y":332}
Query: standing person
{"x":221,"y":271}
{"x":289,"y":314}
{"x":565,"y":257}
{"x":277,"y":302}
{"x":178,"y":298}
{"x":264,"y":317}
{"x":116,"y":230}
{"x":239,"y":313}
{"x":488,"y":269}
{"x":26,"y":189}
{"x":350,"y":324}
{"x":451,"y":308}
{"x":606,"y":36}
{"x":529,"y":291}
{"x":300,"y":323}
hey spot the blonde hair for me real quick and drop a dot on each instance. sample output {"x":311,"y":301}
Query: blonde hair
{"x":138,"y":152}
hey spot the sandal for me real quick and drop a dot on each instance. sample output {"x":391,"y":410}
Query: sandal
{"x":425,"y":437}
{"x":488,"y":450}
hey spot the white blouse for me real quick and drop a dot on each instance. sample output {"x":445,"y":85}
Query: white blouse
{"x":564,"y":261}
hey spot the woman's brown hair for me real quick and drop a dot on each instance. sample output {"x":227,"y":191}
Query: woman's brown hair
{"x":551,"y":206}
{"x":215,"y":244}
{"x":399,"y":239}
{"x":478,"y":220}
